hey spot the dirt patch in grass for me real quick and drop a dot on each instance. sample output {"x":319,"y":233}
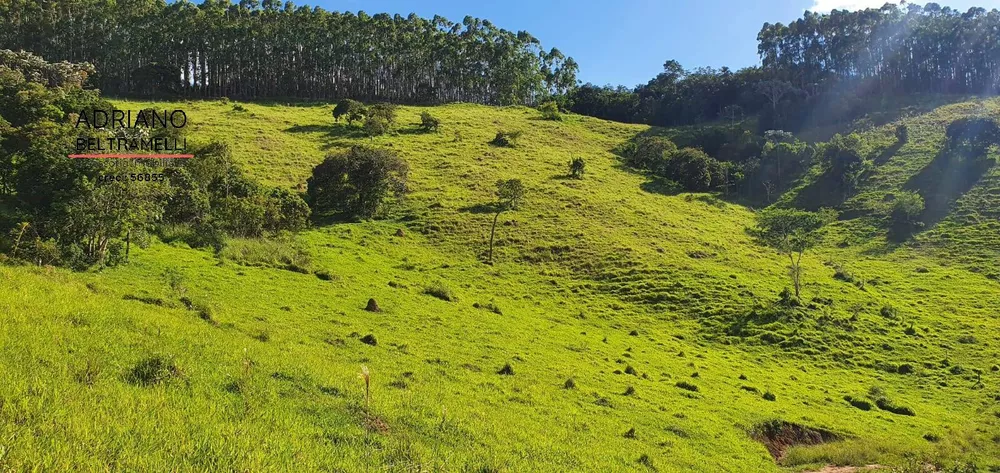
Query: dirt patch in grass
{"x":778,"y":436}
{"x":375,"y":424}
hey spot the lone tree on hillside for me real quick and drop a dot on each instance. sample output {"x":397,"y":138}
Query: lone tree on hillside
{"x":550,"y":111}
{"x":351,"y":109}
{"x":429,"y":122}
{"x":576,"y":168}
{"x":792,"y":232}
{"x":731,"y":112}
{"x":510,"y":193}
{"x":905,"y":216}
{"x":356,"y":182}
{"x":379,"y":119}
{"x":774,"y":90}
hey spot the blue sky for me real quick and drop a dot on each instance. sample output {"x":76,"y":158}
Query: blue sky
{"x":627,"y":41}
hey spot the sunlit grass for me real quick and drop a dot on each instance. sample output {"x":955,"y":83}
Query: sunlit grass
{"x":596,"y":280}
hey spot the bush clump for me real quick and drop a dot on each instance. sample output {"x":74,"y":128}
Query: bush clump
{"x":887,"y":405}
{"x":440,"y":291}
{"x":858,"y":403}
{"x":902,"y":133}
{"x":576,"y":168}
{"x":506,"y":139}
{"x":428,"y":122}
{"x":352,"y":110}
{"x":550,"y":111}
{"x":687,"y":386}
{"x":905,"y":216}
{"x":974,"y":134}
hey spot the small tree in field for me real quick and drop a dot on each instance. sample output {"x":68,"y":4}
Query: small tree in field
{"x":905,"y":215}
{"x":428,"y":122}
{"x":576,"y":168}
{"x":792,"y":232}
{"x":379,"y":119}
{"x":351,"y":109}
{"x":510,"y":193}
{"x":506,"y":139}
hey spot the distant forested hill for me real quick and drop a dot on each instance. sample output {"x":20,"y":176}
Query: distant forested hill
{"x":251,"y":50}
{"x":821,"y":69}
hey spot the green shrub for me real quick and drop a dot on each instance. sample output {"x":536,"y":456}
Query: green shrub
{"x":550,"y":111}
{"x":576,"y":168}
{"x":906,"y":211}
{"x":379,"y":119}
{"x":973,"y":134}
{"x":887,"y":405}
{"x":375,"y":127}
{"x":351,"y":109}
{"x":440,"y":291}
{"x":686,"y":386}
{"x":858,"y":403}
{"x":285,"y":210}
{"x":844,"y":160}
{"x":648,"y":152}
{"x":902,"y":133}
{"x":429,"y":122}
{"x":689,"y":167}
{"x":506,"y":139}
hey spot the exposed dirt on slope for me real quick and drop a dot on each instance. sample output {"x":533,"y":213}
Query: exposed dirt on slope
{"x":778,"y":436}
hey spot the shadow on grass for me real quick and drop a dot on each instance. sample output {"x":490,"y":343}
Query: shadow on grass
{"x":479,"y":208}
{"x":415,"y":130}
{"x":946,"y":179}
{"x":659,"y":185}
{"x":888,"y":153}
{"x":329,"y":131}
{"x":823,"y":192}
{"x":332,"y":218}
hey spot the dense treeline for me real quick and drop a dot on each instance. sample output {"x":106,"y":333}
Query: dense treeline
{"x":821,"y":69}
{"x":57,"y":210}
{"x":265,"y":50}
{"x":728,"y":160}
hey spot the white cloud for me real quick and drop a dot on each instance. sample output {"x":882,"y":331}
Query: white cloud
{"x":827,"y":5}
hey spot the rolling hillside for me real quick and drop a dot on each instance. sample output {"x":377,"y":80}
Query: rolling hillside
{"x":622,"y":328}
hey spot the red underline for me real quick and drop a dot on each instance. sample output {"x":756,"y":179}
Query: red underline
{"x":130,"y":156}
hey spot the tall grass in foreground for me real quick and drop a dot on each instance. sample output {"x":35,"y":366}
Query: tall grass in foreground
{"x":280,"y":252}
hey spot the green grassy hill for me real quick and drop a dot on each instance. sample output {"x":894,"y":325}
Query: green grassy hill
{"x":657,"y":306}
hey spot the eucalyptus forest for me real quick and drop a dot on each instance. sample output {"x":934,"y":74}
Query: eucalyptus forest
{"x":254,"y":50}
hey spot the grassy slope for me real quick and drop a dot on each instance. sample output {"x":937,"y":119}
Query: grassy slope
{"x":272,"y":384}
